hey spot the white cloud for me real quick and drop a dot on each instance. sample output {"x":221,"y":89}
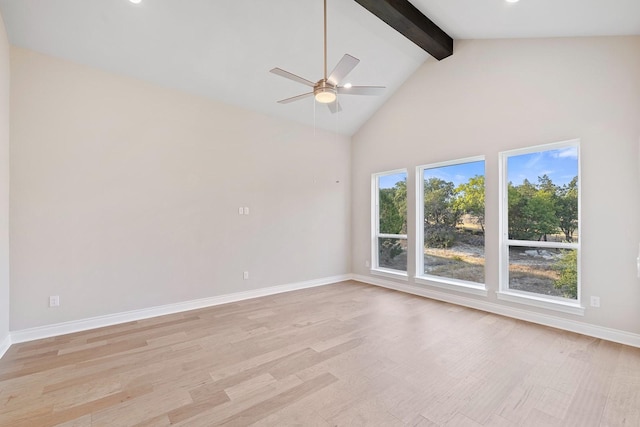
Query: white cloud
{"x":569,"y":152}
{"x":534,"y":160}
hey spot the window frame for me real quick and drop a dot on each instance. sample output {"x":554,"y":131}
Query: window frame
{"x":504,"y":293}
{"x":432,"y":280}
{"x":375,"y":228}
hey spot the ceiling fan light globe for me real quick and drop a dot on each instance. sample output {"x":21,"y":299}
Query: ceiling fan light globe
{"x":325,"y":97}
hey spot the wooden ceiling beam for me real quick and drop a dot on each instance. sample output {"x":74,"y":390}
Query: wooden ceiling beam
{"x":410,"y":22}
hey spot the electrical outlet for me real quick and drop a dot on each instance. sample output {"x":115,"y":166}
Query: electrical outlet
{"x":246,"y":210}
{"x":595,"y":302}
{"x":366,"y":263}
{"x":245,"y":275}
{"x":54,"y":301}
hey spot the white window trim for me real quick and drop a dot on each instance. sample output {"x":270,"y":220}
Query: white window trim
{"x":548,"y":302}
{"x":428,"y":279}
{"x":452,"y":284}
{"x":565,"y":305}
{"x":389,"y":273}
{"x":375,"y":228}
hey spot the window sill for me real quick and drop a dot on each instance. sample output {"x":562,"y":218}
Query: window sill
{"x":542,"y":302}
{"x":392,"y":274}
{"x":452,"y":285}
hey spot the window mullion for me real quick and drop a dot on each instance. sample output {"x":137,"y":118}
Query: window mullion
{"x":392,"y":236}
{"x":542,"y":244}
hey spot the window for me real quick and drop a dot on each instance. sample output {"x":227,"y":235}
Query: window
{"x":389,"y":223}
{"x":540,"y":240}
{"x":451,"y":224}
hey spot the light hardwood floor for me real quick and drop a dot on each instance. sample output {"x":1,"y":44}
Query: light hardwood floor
{"x":347,"y":354}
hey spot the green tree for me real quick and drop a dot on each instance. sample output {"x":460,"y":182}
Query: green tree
{"x":519,"y":224}
{"x":567,"y":208}
{"x":548,"y":193}
{"x":545,"y":184}
{"x":567,"y":266}
{"x":391,"y":219}
{"x":541,"y":212}
{"x":440,"y":214}
{"x":532,"y":210}
{"x":392,"y":205}
{"x":400,"y":202}
{"x":438,"y":203}
{"x":470,"y":199}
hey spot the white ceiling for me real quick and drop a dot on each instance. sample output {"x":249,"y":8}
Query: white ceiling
{"x":223,"y":49}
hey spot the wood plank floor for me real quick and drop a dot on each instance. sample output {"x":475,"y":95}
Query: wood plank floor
{"x":342,"y":355}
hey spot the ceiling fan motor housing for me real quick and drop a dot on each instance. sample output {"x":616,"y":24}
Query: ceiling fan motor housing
{"x":325,"y":92}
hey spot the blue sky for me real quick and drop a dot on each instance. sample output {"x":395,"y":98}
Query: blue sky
{"x":389,"y":181}
{"x":458,"y":174}
{"x":560,"y":165}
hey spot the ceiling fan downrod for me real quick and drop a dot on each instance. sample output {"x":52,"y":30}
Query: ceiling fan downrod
{"x":325,"y":40}
{"x":324,"y":92}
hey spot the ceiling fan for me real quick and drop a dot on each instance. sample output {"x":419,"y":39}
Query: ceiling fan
{"x":327,"y":89}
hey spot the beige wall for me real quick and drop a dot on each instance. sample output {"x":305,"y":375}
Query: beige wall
{"x":4,"y":183}
{"x":126,"y":195}
{"x":496,"y":95}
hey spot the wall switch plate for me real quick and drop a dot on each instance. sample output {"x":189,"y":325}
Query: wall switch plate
{"x":246,"y":210}
{"x":54,"y":301}
{"x":366,"y":263}
{"x":240,"y":211}
{"x":595,"y":302}
{"x":245,"y":275}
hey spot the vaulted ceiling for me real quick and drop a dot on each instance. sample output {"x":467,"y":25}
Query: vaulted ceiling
{"x":224,"y":49}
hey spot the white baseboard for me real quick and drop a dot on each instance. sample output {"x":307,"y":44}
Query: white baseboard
{"x":57,"y":329}
{"x":583,"y":328}
{"x":4,"y":345}
{"x":47,"y":331}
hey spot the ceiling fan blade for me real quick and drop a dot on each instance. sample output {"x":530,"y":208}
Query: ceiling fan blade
{"x":361,"y":90}
{"x":291,"y":76}
{"x":334,"y":107}
{"x":344,"y":67}
{"x":295,"y":98}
